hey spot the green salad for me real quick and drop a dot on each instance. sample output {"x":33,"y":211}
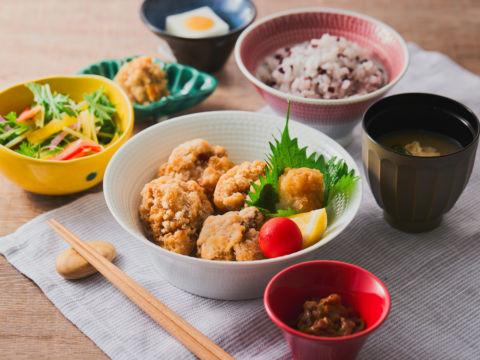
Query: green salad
{"x":55,"y":127}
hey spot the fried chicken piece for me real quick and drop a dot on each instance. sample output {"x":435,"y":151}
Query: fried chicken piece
{"x":231,"y":236}
{"x":232,"y":187}
{"x":197,"y":160}
{"x":173,"y":212}
{"x":301,"y":189}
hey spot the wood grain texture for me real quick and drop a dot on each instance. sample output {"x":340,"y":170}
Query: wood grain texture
{"x":40,"y":38}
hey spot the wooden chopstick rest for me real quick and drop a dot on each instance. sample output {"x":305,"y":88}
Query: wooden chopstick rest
{"x":191,"y":338}
{"x":71,"y":265}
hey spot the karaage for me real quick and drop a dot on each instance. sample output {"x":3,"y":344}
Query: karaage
{"x":173,"y":212}
{"x":232,"y":187}
{"x":301,"y":189}
{"x":197,"y":160}
{"x":231,"y":236}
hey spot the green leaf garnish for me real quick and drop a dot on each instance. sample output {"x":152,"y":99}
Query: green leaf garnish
{"x":343,"y":187}
{"x":11,"y":116}
{"x":100,"y":106}
{"x":285,"y":153}
{"x":54,"y":104}
{"x":401,"y":149}
{"x":282,"y":213}
{"x":31,"y":150}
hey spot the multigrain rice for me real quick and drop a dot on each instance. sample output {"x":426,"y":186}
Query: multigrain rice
{"x":327,"y":68}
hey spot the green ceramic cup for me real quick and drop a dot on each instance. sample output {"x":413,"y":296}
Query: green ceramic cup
{"x":415,"y":192}
{"x":187,"y":85}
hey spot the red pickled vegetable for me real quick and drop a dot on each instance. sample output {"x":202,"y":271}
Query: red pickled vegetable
{"x":82,"y":153}
{"x":28,"y":113}
{"x":78,"y":149}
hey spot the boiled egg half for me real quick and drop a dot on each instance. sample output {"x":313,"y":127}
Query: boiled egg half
{"x":198,"y":23}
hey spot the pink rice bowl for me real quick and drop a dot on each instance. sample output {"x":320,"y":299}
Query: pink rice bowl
{"x":334,"y":117}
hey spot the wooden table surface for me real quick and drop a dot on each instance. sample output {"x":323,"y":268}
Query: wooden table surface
{"x":46,"y":37}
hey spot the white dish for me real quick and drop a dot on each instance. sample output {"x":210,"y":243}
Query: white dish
{"x":204,"y":21}
{"x":246,"y":136}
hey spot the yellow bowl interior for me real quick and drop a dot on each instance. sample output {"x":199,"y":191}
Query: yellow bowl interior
{"x":63,"y":177}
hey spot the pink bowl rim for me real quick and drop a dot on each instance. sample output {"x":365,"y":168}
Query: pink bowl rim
{"x":300,"y":99}
{"x":285,"y":327}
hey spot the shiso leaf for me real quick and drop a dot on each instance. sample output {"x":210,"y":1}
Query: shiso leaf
{"x":285,"y":153}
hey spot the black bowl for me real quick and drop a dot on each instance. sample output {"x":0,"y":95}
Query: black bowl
{"x":415,"y":192}
{"x":206,"y":54}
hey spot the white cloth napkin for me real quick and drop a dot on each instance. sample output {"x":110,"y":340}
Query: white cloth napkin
{"x":433,"y":278}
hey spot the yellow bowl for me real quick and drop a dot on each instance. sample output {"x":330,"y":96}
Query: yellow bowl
{"x":63,"y":177}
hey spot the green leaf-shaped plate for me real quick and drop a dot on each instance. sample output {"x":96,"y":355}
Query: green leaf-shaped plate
{"x":187,"y":85}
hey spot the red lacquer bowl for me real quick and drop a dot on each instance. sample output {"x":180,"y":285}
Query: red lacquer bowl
{"x":335,"y":118}
{"x":359,"y":289}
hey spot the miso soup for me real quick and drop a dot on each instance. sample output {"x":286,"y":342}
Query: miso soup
{"x":420,"y":143}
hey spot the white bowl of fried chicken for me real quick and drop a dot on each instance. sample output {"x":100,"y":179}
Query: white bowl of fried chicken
{"x":180,"y":189}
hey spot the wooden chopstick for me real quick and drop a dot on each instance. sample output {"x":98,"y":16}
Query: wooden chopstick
{"x":190,"y":337}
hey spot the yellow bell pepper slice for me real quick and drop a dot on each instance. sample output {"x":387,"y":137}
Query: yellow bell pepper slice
{"x":85,"y":121}
{"x":51,"y":128}
{"x":88,"y":121}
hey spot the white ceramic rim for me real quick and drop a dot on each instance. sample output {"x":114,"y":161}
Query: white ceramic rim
{"x":338,"y":149}
{"x":300,"y":99}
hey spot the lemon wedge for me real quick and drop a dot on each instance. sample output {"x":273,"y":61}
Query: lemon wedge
{"x":312,"y":224}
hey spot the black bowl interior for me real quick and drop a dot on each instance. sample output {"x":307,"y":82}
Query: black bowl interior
{"x":419,"y":111}
{"x":236,"y":13}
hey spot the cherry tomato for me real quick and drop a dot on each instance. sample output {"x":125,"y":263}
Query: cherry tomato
{"x":279,"y":236}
